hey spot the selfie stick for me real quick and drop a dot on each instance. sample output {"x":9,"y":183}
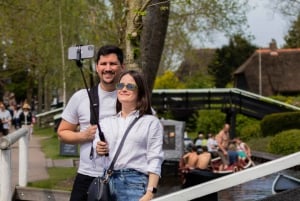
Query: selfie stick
{"x":79,"y":64}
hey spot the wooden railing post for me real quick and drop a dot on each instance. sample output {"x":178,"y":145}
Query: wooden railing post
{"x":23,"y":160}
{"x":5,"y":161}
{"x":5,"y":175}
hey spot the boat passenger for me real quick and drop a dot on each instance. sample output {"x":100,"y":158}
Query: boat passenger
{"x":190,"y":158}
{"x":198,"y":141}
{"x":243,"y":147}
{"x":223,"y":139}
{"x":243,"y":150}
{"x":232,"y":154}
{"x":204,"y":159}
{"x":212,"y":145}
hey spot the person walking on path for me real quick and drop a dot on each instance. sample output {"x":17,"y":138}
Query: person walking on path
{"x":26,"y":118}
{"x":109,"y":64}
{"x":5,"y":118}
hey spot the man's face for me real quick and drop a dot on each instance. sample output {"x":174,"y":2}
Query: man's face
{"x":109,"y":68}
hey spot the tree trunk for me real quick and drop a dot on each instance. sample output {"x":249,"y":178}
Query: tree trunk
{"x":132,"y":33}
{"x":155,"y":25}
{"x":40,"y":93}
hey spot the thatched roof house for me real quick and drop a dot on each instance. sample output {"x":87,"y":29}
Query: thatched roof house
{"x":270,"y":71}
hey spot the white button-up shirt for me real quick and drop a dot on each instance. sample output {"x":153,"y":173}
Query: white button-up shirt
{"x":142,"y":149}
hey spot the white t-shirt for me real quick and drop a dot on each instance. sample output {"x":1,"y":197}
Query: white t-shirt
{"x":77,"y":111}
{"x":212,"y":145}
{"x":5,"y":115}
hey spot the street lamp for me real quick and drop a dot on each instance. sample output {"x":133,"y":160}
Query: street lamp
{"x":259,"y":73}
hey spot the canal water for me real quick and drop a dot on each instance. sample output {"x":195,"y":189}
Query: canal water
{"x":250,"y":191}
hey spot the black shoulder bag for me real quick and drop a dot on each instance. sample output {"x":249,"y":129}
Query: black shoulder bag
{"x":99,"y":188}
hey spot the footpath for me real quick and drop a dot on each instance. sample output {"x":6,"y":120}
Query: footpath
{"x":37,"y":162}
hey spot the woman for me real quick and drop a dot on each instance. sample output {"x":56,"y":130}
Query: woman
{"x":138,"y":167}
{"x":26,"y":118}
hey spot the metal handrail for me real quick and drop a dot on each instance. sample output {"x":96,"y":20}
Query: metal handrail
{"x":49,"y":112}
{"x":228,"y":90}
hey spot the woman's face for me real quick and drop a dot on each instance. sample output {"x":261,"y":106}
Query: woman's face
{"x":127,"y":90}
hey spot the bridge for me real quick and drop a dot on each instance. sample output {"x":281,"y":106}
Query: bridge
{"x":231,"y":99}
{"x":184,"y":102}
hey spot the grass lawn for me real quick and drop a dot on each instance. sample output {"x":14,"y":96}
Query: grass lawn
{"x":259,"y":144}
{"x":60,"y":178}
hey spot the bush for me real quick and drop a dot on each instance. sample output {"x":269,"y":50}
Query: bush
{"x":250,"y":131}
{"x":247,"y":128}
{"x":286,"y":142}
{"x":278,"y":122}
{"x":210,"y":121}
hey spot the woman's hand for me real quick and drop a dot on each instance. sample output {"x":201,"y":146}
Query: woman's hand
{"x":102,"y":148}
{"x":147,"y":196}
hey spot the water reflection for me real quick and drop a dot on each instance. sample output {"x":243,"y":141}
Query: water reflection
{"x":250,"y":191}
{"x":253,"y":190}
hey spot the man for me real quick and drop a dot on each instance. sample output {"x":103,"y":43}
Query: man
{"x":5,"y":118}
{"x":198,"y":142}
{"x":204,"y":159}
{"x":223,"y":139}
{"x":109,"y":65}
{"x":190,"y":158}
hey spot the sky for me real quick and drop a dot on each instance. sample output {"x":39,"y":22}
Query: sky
{"x":265,"y":25}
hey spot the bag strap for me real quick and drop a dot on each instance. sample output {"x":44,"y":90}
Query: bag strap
{"x":94,"y":105}
{"x":94,"y":108}
{"x":110,"y":169}
{"x":94,"y":114}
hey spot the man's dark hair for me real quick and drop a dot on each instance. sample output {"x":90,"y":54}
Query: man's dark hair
{"x":110,"y":49}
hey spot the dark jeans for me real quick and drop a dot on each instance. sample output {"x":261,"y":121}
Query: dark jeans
{"x":80,"y":187}
{"x":5,"y":131}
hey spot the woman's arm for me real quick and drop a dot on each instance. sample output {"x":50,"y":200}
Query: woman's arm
{"x":151,"y":188}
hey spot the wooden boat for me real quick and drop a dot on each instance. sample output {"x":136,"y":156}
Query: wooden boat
{"x":192,"y":177}
{"x":284,"y":182}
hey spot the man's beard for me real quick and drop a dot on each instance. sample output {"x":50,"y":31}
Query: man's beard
{"x":112,"y":73}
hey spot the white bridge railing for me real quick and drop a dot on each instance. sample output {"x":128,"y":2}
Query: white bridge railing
{"x":6,"y":142}
{"x":233,"y":179}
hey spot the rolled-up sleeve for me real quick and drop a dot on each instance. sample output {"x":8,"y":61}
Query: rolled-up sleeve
{"x":155,"y":154}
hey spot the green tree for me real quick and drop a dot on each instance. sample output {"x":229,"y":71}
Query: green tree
{"x":37,"y":48}
{"x":37,"y":36}
{"x":209,"y":121}
{"x":192,"y":23}
{"x":199,"y":80}
{"x":292,"y":39}
{"x":229,"y":58}
{"x":168,"y":81}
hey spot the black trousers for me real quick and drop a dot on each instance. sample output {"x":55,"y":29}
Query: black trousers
{"x":5,"y":131}
{"x":80,"y":187}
